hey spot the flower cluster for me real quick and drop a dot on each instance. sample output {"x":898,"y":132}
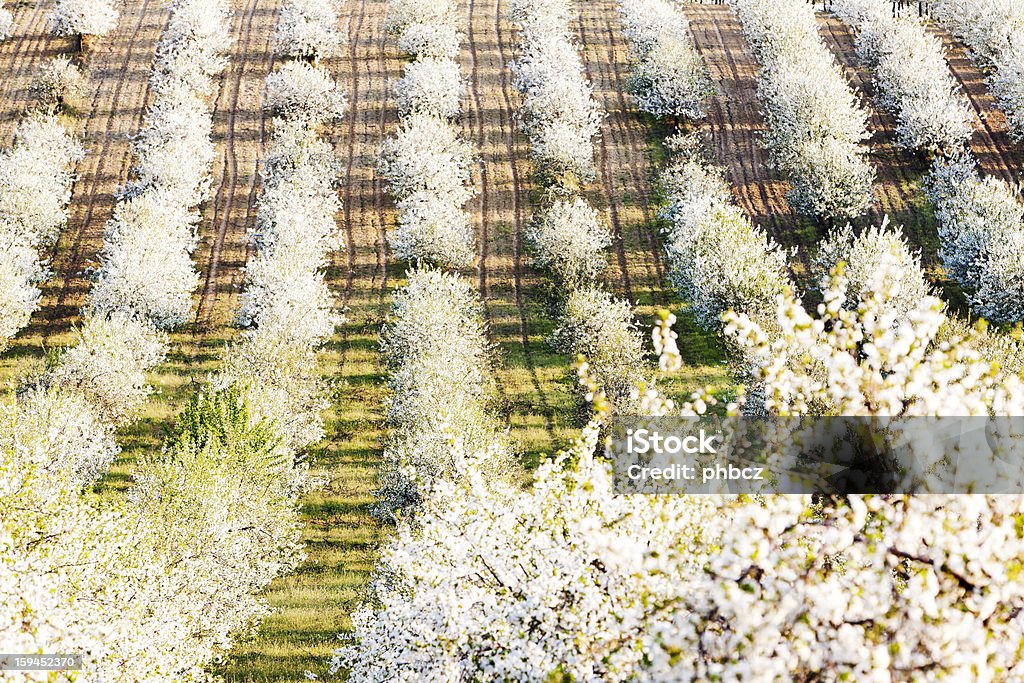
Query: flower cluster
{"x":994,"y":31}
{"x":816,"y":127}
{"x":981,"y":232}
{"x":6,"y":23}
{"x":600,"y":328}
{"x":428,"y":168}
{"x":304,"y":95}
{"x":59,"y":83}
{"x":719,"y":260}
{"x":426,"y":28}
{"x":558,"y":112}
{"x":82,"y":17}
{"x":669,"y":78}
{"x":431,"y":85}
{"x":877,"y":358}
{"x":911,"y":76}
{"x":440,"y":376}
{"x":876,"y":249}
{"x":35,"y":186}
{"x":308,"y":29}
{"x":570,"y":240}
{"x":145,"y":264}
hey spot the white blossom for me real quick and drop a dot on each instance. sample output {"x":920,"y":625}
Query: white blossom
{"x":558,"y":114}
{"x":82,"y":17}
{"x":59,"y":82}
{"x":719,"y":260}
{"x":6,"y":23}
{"x":287,"y":308}
{"x":876,"y":249}
{"x":431,"y":85}
{"x":439,"y":362}
{"x":36,"y":174}
{"x":981,"y":233}
{"x":145,"y":266}
{"x":428,"y":168}
{"x":569,"y":579}
{"x":600,"y":328}
{"x":426,"y":28}
{"x":570,"y":239}
{"x":911,"y":76}
{"x":304,"y":93}
{"x":308,"y":29}
{"x":994,"y":31}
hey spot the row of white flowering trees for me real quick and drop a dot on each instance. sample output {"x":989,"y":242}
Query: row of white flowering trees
{"x":911,"y":76}
{"x":994,"y":32}
{"x":981,"y":221}
{"x":155,"y":586}
{"x":719,"y":261}
{"x":153,"y":229}
{"x":816,"y":127}
{"x":427,"y":165}
{"x":561,"y":119}
{"x":668,"y":78}
{"x":435,"y":340}
{"x":36,"y":174}
{"x":82,"y":19}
